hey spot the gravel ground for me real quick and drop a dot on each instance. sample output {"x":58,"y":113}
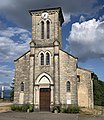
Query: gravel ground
{"x":46,"y":116}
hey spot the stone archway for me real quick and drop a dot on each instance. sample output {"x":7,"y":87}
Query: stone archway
{"x":43,"y":92}
{"x":40,"y":78}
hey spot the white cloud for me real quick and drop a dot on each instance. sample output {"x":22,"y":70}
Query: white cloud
{"x":66,"y":18}
{"x":82,"y":18}
{"x":25,"y":37}
{"x":10,"y":31}
{"x":5,"y":84}
{"x":87,"y":39}
{"x":102,"y":18}
{"x":1,"y":83}
{"x":13,"y":43}
{"x":5,"y":71}
{"x":10,"y":47}
{"x":17,"y":11}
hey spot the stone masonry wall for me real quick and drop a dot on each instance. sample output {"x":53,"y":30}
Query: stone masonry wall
{"x":68,"y":73}
{"x":22,"y":75}
{"x":55,"y":28}
{"x":39,"y":69}
{"x":85,"y":88}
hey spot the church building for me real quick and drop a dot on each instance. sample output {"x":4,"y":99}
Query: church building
{"x":46,"y":75}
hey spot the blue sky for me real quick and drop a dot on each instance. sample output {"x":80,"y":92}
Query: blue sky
{"x":82,"y":32}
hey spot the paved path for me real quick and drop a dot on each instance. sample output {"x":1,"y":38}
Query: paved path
{"x":46,"y":116}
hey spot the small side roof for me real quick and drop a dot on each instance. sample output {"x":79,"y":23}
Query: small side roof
{"x":21,"y":56}
{"x":69,"y":54}
{"x":85,"y":69}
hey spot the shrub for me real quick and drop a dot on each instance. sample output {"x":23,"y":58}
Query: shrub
{"x":22,"y":108}
{"x":64,"y":110}
{"x":71,"y":109}
{"x":13,"y":107}
{"x":18,"y":108}
{"x":31,"y":108}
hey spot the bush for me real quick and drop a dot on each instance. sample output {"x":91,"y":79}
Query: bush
{"x":64,"y":110}
{"x":31,"y":108}
{"x":22,"y":108}
{"x":13,"y":107}
{"x":71,"y":109}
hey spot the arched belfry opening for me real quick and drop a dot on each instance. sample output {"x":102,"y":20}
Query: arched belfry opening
{"x":42,"y":30}
{"x":48,"y":29}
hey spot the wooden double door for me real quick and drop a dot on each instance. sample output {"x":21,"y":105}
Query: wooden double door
{"x":45,"y":94}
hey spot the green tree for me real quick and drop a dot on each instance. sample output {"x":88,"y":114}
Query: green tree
{"x":98,"y":91}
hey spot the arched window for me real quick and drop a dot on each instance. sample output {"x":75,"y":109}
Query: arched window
{"x":48,"y":29}
{"x":22,"y":86}
{"x":47,"y":58}
{"x":42,"y":58}
{"x":42,"y":30}
{"x":68,"y":86}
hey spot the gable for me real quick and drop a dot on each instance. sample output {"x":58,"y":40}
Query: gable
{"x":28,"y":52}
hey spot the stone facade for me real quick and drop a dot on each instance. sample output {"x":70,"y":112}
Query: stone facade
{"x":85,"y":88}
{"x":33,"y":74}
{"x":68,"y":73}
{"x":22,"y":75}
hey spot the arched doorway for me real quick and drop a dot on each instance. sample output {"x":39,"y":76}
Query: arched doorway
{"x":44,"y":92}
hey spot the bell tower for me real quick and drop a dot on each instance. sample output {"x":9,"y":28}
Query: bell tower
{"x":46,"y":26}
{"x":44,"y":52}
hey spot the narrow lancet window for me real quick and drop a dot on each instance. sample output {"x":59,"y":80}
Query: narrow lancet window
{"x":47,"y":59}
{"x":42,"y":30}
{"x":68,"y":86}
{"x":22,"y":86}
{"x":42,"y":59}
{"x":48,"y":29}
